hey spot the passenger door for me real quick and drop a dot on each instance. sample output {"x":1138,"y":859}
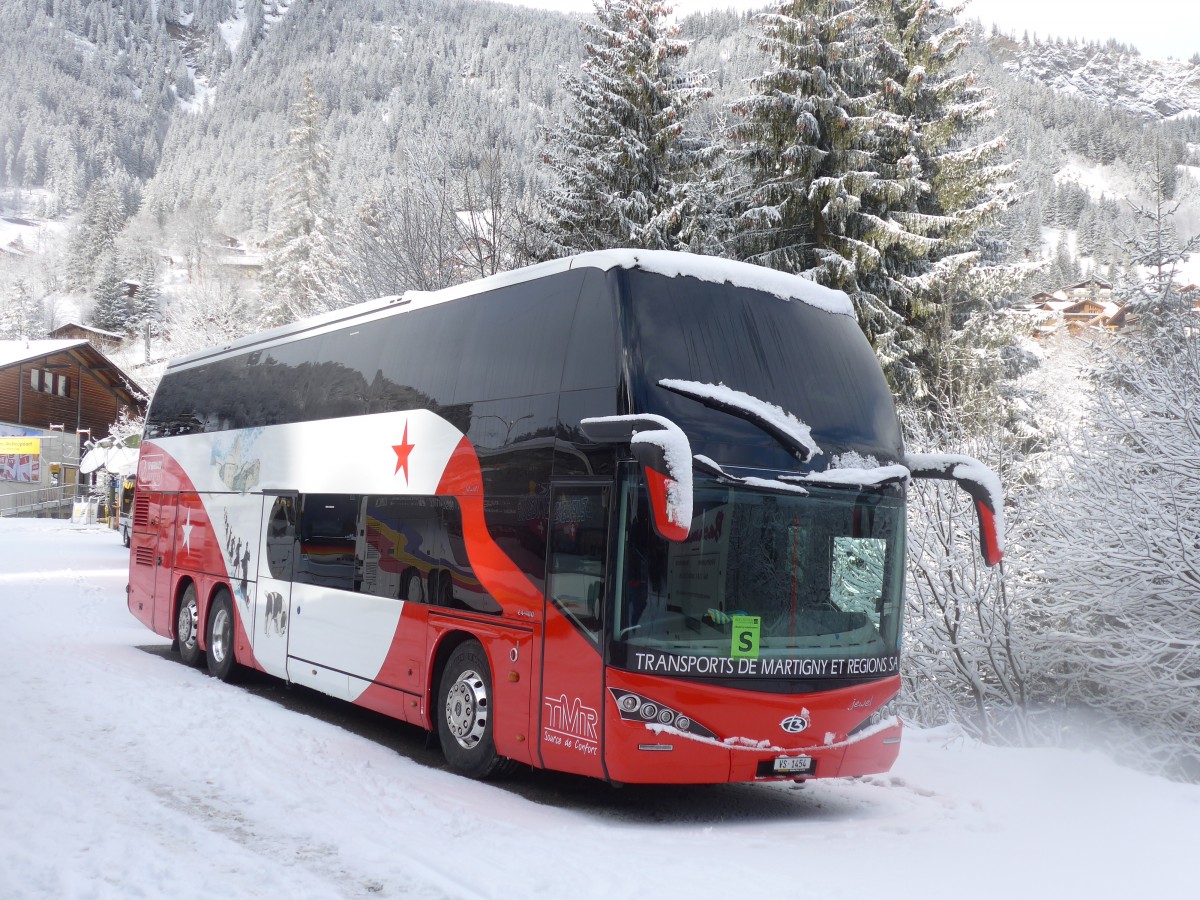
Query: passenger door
{"x":272,"y":600}
{"x":576,"y":598}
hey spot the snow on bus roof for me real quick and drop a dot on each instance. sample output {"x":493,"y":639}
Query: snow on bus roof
{"x":661,"y":262}
{"x":670,"y":263}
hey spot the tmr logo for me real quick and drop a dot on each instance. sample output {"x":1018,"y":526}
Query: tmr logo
{"x":151,"y":471}
{"x":794,"y":724}
{"x":571,"y":719}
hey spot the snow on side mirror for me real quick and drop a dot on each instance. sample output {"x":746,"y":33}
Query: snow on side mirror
{"x":977,"y":480}
{"x":665,"y":456}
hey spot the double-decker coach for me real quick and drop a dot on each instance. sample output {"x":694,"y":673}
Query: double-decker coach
{"x":635,"y":515}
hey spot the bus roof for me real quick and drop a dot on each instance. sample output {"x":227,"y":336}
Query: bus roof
{"x":662,"y":262}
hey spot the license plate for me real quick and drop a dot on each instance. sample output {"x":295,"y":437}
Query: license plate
{"x":793,"y":765}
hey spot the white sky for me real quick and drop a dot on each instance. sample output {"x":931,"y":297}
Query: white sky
{"x":1158,"y":28}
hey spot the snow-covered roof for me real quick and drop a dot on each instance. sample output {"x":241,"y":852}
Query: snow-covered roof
{"x":88,"y":328}
{"x":13,"y":352}
{"x":662,"y":262}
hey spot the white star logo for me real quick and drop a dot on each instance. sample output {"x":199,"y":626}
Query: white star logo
{"x":186,"y":528}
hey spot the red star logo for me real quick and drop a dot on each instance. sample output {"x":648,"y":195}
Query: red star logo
{"x":403,"y":449}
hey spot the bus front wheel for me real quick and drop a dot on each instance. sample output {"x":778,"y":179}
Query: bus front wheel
{"x":220,"y":637}
{"x":187,"y":627}
{"x":464,"y":713}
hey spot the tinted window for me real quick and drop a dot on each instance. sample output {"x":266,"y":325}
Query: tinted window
{"x":413,"y":548}
{"x":592,"y":349}
{"x":347,"y":365}
{"x":507,"y":343}
{"x":403,"y":542}
{"x":814,"y":364}
{"x":328,"y":531}
{"x":516,"y":339}
{"x":578,"y":550}
{"x":274,"y":384}
{"x":281,"y":537}
{"x":418,"y":361}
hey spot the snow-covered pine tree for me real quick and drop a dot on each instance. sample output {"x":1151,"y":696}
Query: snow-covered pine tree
{"x":625,"y":170}
{"x":21,"y":314}
{"x":300,"y":265}
{"x":95,"y":236}
{"x":816,"y":139}
{"x":945,"y":260}
{"x":1155,"y":249}
{"x":112,"y":308}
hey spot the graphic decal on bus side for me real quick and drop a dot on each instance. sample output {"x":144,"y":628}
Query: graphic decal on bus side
{"x":403,"y":450}
{"x":414,"y":453}
{"x":236,"y":468}
{"x":274,"y":615}
{"x":571,"y":723}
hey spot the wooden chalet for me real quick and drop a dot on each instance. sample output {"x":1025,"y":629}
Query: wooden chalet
{"x":63,"y":382}
{"x":104,"y":341}
{"x":1088,"y":304}
{"x":1090,"y":313}
{"x":1092,"y":289}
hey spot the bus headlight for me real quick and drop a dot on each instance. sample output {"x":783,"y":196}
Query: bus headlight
{"x":882,"y":714}
{"x":636,"y":708}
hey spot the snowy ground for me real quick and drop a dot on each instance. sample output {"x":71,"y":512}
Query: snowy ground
{"x":125,"y":774}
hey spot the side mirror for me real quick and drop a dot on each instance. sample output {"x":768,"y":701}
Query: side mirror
{"x":665,"y":456}
{"x":977,"y":480}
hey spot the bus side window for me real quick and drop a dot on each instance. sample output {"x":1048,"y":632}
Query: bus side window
{"x":328,"y":532}
{"x":399,"y":546}
{"x":454,"y":584}
{"x":281,"y":537}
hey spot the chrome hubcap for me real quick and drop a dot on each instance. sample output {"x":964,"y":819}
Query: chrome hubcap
{"x":188,"y":622}
{"x":467,"y":709}
{"x":221,"y":634}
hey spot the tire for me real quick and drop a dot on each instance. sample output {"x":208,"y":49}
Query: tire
{"x":464,"y":714}
{"x":221,"y":637}
{"x":125,"y":536}
{"x":187,"y":627}
{"x":414,"y":590}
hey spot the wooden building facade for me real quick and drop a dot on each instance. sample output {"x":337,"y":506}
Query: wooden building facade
{"x":64,"y":382}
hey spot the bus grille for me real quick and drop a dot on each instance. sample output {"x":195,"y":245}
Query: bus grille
{"x":141,"y":512}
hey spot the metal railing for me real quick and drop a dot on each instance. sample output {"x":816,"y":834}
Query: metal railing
{"x":42,"y":501}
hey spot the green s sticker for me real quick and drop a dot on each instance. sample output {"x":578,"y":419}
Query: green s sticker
{"x":746,"y":632}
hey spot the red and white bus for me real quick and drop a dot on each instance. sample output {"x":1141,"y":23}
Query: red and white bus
{"x":633,"y":515}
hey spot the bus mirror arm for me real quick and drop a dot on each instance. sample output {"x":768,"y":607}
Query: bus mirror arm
{"x":664,"y":456}
{"x":977,"y":480}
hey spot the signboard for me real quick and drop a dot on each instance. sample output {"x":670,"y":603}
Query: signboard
{"x":21,"y":446}
{"x":21,"y":467}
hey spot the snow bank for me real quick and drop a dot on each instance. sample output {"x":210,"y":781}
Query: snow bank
{"x":127,"y":774}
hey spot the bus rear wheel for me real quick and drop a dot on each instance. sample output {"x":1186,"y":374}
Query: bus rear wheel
{"x":220,"y":637}
{"x":187,"y":627}
{"x":464,"y":713}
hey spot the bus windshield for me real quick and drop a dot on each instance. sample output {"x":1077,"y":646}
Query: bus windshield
{"x":766,"y":586}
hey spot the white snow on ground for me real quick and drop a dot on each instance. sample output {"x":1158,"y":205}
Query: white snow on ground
{"x":124,"y":774}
